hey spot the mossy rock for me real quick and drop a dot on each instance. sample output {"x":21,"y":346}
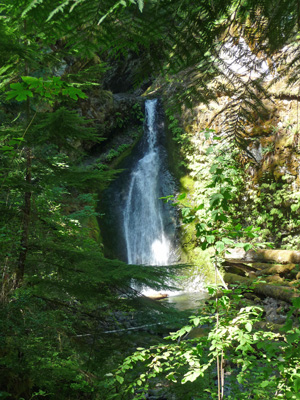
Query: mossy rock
{"x":119,"y":159}
{"x":285,"y":140}
{"x":202,"y":270}
{"x":94,"y":230}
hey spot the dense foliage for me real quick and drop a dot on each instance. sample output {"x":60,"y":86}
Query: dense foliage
{"x":254,"y":362}
{"x":60,"y":297}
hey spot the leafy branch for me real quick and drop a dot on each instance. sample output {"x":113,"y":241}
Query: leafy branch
{"x":48,"y":89}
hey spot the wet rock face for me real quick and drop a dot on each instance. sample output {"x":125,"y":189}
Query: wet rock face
{"x":111,"y":115}
{"x":110,"y":111}
{"x":274,"y":141}
{"x":270,"y":178}
{"x":117,"y":103}
{"x":121,"y":77}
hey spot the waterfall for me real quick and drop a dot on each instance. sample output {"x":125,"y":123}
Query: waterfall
{"x":139,"y":227}
{"x":143,"y":215}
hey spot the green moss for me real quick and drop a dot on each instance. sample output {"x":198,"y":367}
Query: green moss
{"x":200,"y":261}
{"x":201,"y":266}
{"x":286,"y":139}
{"x":187,"y":184}
{"x":94,"y":229}
{"x":188,"y":243}
{"x":175,"y":163}
{"x":136,"y":135}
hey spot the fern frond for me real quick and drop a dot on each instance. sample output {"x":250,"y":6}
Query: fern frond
{"x":58,"y":9}
{"x":31,"y":6}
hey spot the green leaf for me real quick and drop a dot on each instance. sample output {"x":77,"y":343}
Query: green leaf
{"x":297,"y":384}
{"x":191,"y":376}
{"x":185,"y":211}
{"x":120,"y":379}
{"x":210,"y":239}
{"x":220,"y":246}
{"x":288,"y":324}
{"x":168,"y":198}
{"x":264,"y":384}
{"x":115,"y":6}
{"x":181,"y":196}
{"x":19,"y":92}
{"x":74,"y":93}
{"x":215,"y":199}
{"x":296,"y":302}
{"x":6,"y":148}
{"x":248,"y":326}
{"x":32,"y":5}
{"x":295,"y":207}
{"x":140,"y":5}
{"x":211,"y":290}
{"x":204,"y":245}
{"x":224,"y":205}
{"x":292,"y":337}
{"x":207,"y":135}
{"x":60,"y":8}
{"x":210,"y":150}
{"x":222,"y":217}
{"x":224,"y":301}
{"x":239,"y":245}
{"x":227,"y":240}
{"x":201,"y":227}
{"x":213,"y":168}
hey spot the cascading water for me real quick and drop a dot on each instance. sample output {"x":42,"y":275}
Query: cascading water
{"x":141,"y":228}
{"x":143,"y":216}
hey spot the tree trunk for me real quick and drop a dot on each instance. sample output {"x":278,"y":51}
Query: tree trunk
{"x":25,"y":222}
{"x":276,"y":269}
{"x":27,"y":195}
{"x":264,"y":289}
{"x":239,"y":268}
{"x":263,"y":256}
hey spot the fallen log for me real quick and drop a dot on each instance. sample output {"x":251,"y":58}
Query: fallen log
{"x":239,"y":255}
{"x":158,"y":296}
{"x":280,"y":269}
{"x":260,"y":266}
{"x":263,"y":289}
{"x":294,"y":283}
{"x":235,"y":267}
{"x":275,"y":279}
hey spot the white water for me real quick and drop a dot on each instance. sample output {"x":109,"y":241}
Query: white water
{"x":145,"y":220}
{"x":144,"y":231}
